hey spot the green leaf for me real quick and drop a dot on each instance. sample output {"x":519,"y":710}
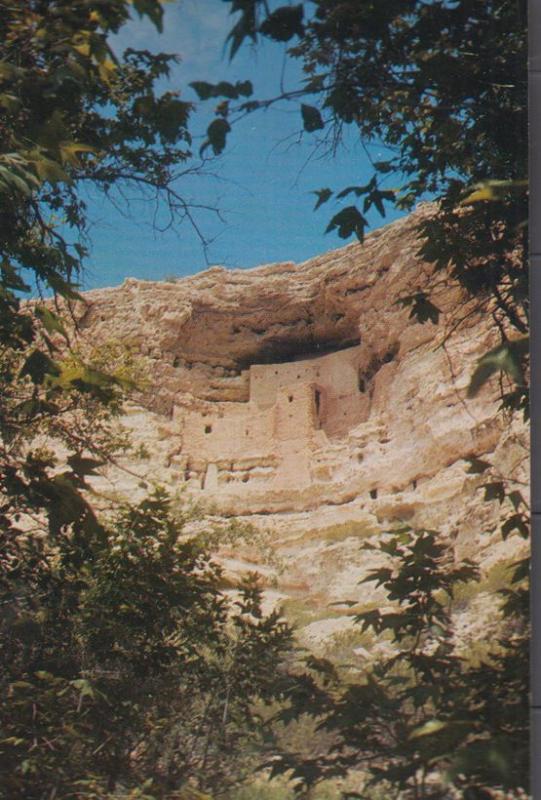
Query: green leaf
{"x":171,"y":118}
{"x":51,"y":322}
{"x":69,"y":152}
{"x":477,"y":466}
{"x":84,"y":466}
{"x":284,"y":23}
{"x":246,"y":26}
{"x":22,"y":685}
{"x":10,"y":102}
{"x":380,"y":576}
{"x":322,"y":666}
{"x":63,"y":287}
{"x":32,"y":407}
{"x":383,"y":166}
{"x":358,"y":191}
{"x":66,"y":504}
{"x":244,"y":88}
{"x":348,"y":221}
{"x":151,"y":9}
{"x":15,"y":175}
{"x":428,"y":728}
{"x":203,"y":89}
{"x":495,"y":190}
{"x":14,"y":741}
{"x":517,"y":499}
{"x":51,"y":171}
{"x":43,"y":675}
{"x":206,"y":90}
{"x":515,"y":523}
{"x":322,"y":196}
{"x":311,"y":118}
{"x":494,"y":491}
{"x":369,"y":619}
{"x":507,"y":358}
{"x":11,"y":278}
{"x":84,"y":687}
{"x":38,"y":366}
{"x":422,"y":308}
{"x":217,"y":133}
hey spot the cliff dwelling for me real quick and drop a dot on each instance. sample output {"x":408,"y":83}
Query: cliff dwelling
{"x":292,"y":388}
{"x":293,"y":413}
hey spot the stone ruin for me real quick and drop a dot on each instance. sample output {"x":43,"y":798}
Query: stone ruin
{"x":279,"y":436}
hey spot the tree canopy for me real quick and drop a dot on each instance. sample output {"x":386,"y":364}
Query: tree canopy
{"x":125,"y":669}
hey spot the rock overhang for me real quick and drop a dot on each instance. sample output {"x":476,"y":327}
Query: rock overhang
{"x":224,"y":321}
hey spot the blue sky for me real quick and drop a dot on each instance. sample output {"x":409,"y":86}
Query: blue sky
{"x":261,"y":183}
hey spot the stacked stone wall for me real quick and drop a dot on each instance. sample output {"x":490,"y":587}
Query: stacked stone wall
{"x":291,"y":407}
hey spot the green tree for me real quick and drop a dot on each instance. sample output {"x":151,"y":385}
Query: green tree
{"x":127,"y":669}
{"x":426,"y":721}
{"x":74,"y":113}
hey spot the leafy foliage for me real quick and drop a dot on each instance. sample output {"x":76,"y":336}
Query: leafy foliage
{"x":421,"y":307}
{"x":126,"y":667}
{"x":425,"y":722}
{"x":74,"y":112}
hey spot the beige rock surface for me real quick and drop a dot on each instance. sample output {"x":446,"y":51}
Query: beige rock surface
{"x":304,"y":399}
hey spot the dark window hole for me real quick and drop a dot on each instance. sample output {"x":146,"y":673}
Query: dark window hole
{"x":208,"y":428}
{"x":373,"y":493}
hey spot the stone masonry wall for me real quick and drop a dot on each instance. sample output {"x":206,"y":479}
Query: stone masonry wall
{"x":272,"y":436}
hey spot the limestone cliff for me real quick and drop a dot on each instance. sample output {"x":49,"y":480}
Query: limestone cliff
{"x":305,"y":399}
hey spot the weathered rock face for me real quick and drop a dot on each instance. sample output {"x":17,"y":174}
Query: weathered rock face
{"x":304,"y":398}
{"x":203,"y":332}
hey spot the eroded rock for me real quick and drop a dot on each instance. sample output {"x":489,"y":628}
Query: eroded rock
{"x":305,"y":399}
